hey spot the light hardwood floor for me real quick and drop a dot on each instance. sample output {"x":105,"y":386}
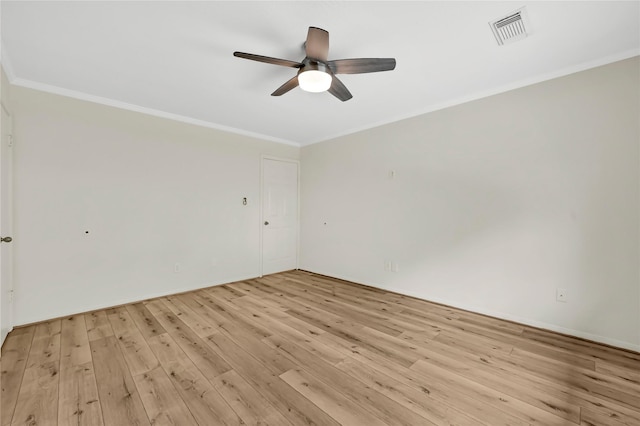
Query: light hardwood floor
{"x":301,"y":349}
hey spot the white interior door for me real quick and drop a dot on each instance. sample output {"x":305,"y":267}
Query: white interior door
{"x":6,"y":288}
{"x":279,"y":215}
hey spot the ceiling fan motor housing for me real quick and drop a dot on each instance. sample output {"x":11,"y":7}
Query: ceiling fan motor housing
{"x":314,"y":65}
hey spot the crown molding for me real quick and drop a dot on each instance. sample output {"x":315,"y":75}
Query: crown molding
{"x":495,"y":91}
{"x":144,"y":110}
{"x":5,"y":62}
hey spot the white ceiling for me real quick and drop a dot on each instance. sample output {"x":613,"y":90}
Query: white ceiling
{"x":175,"y":59}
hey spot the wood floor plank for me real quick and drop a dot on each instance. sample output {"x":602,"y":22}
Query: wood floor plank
{"x":291,"y":404}
{"x":507,"y":338}
{"x":333,"y":306}
{"x":606,"y":353}
{"x":250,"y":405}
{"x":481,"y":370}
{"x":13,"y":362}
{"x":556,"y":354}
{"x":208,"y":362}
{"x":594,"y":382}
{"x":420,"y":401}
{"x":347,"y":294}
{"x":133,"y":346}
{"x":145,"y":321}
{"x":213,"y":318}
{"x":78,"y":402}
{"x":189,"y":317}
{"x":251,"y":303}
{"x":375,"y":316}
{"x":352,"y":333}
{"x":433,"y":322}
{"x":38,"y":398}
{"x":303,"y":335}
{"x":296,"y":348}
{"x":593,"y":417}
{"x":228,"y":292}
{"x":351,"y":296}
{"x":98,"y":326}
{"x":270,"y":358}
{"x":253,"y":288}
{"x":230,"y":315}
{"x":120,"y":400}
{"x":242,"y":333}
{"x":250,"y":343}
{"x":631,"y":376}
{"x":491,"y":324}
{"x":270,"y":297}
{"x":534,"y":409}
{"x":327,"y":399}
{"x":554,"y":395}
{"x":473,"y":344}
{"x":376,"y":403}
{"x":205,"y":403}
{"x":273,"y":295}
{"x":162,"y":402}
{"x":452,"y":393}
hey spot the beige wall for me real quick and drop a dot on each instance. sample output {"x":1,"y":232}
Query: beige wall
{"x":495,"y":204}
{"x":4,"y":87}
{"x":107,"y":201}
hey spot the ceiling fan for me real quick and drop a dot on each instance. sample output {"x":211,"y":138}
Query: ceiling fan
{"x":316,"y":73}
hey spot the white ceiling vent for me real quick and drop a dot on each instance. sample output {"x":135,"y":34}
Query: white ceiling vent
{"x":512,"y":27}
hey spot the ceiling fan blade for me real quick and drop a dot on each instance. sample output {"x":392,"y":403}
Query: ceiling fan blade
{"x":361,"y":65}
{"x":317,"y":44}
{"x":291,"y":84}
{"x":339,"y":90}
{"x":268,"y":60}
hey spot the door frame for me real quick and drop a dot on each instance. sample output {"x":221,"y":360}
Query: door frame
{"x":8,"y":232}
{"x":285,"y":160}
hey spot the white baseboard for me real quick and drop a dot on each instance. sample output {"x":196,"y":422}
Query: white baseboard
{"x":126,"y":301}
{"x":500,"y":315}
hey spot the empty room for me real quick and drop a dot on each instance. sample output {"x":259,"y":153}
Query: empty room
{"x":320,"y":213}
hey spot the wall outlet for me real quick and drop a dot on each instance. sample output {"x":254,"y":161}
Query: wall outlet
{"x":387,"y":265}
{"x":176,"y":268}
{"x":561,"y":295}
{"x":394,"y":266}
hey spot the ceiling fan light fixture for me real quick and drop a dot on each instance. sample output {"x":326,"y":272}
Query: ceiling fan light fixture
{"x":314,"y":81}
{"x":314,"y":77}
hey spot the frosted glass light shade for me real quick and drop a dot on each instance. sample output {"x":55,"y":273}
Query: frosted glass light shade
{"x":314,"y":81}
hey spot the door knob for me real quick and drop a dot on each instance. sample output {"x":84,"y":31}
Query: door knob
{"x":6,"y":239}
{"x":266,"y":223}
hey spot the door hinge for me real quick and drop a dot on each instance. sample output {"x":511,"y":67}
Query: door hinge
{"x":10,"y":142}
